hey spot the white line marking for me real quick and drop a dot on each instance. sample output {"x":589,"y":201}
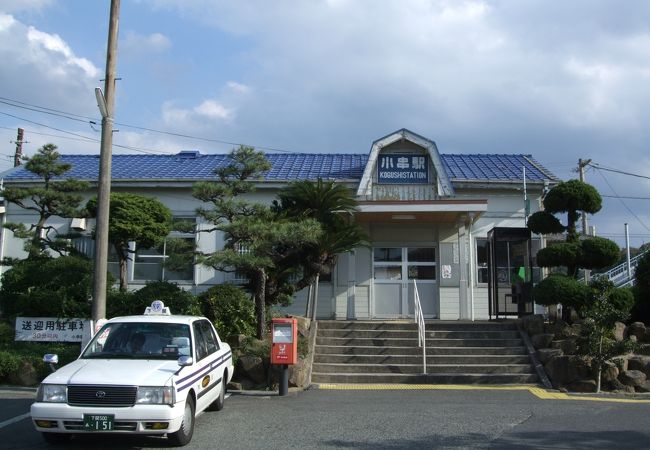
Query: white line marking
{"x":14,"y":420}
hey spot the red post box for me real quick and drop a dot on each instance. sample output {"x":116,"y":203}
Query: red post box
{"x":284,"y":340}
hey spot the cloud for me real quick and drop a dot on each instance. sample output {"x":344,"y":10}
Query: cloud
{"x":44,"y":70}
{"x":135,"y":43}
{"x":51,"y":46}
{"x":238,"y":88}
{"x":207,"y":112}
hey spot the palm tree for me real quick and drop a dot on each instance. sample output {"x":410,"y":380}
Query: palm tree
{"x":333,"y":206}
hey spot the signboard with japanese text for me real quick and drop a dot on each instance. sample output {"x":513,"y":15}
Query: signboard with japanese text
{"x":51,"y":329}
{"x":403,"y":169}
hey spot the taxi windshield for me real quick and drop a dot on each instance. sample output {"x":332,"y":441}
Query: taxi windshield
{"x":140,"y":340}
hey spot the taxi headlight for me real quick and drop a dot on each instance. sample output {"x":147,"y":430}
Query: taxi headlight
{"x":52,"y":393}
{"x":155,"y":395}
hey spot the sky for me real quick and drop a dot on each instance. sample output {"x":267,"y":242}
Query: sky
{"x":560,"y":80}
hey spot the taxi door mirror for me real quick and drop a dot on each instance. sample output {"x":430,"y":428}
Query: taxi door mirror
{"x":185,"y":361}
{"x":52,"y":360}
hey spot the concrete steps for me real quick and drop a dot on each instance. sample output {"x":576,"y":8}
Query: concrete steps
{"x":387,"y":352}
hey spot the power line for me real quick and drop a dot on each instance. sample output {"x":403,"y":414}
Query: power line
{"x":622,"y":202}
{"x":85,"y":119}
{"x":599,"y":167}
{"x":626,"y":197}
{"x":86,"y":138}
{"x":52,"y":112}
{"x":47,"y":126}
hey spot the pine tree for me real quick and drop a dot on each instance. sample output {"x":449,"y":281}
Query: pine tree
{"x":53,"y":197}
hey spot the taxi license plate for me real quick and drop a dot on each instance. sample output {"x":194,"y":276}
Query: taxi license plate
{"x":95,"y":422}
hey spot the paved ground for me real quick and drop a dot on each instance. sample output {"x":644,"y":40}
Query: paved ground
{"x":386,"y":419}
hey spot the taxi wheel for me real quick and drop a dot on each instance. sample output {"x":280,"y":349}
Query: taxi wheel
{"x":184,"y":434}
{"x":56,"y":438}
{"x":219,"y":402}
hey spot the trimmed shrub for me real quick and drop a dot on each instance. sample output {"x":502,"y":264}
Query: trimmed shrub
{"x":598,"y":253}
{"x":558,"y":288}
{"x":230,"y":309}
{"x":560,"y":254}
{"x":544,"y":223}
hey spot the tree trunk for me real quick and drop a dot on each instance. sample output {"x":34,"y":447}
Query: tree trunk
{"x":260,"y":304}
{"x":315,"y":304}
{"x":123,"y":281}
{"x":600,"y":364}
{"x":122,"y":258}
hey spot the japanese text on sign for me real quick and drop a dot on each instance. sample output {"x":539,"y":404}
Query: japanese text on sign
{"x":51,"y":329}
{"x":402,"y":169}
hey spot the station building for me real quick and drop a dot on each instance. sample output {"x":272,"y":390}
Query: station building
{"x":428,"y":216}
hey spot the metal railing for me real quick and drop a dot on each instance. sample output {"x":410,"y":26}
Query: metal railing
{"x":619,"y":274}
{"x":419,"y":319}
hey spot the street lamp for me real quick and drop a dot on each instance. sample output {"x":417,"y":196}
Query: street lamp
{"x":101,"y":103}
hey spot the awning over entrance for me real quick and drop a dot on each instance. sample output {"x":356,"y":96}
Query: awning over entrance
{"x":447,"y":211}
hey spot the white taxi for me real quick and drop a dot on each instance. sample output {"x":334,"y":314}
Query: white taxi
{"x":150,"y":374}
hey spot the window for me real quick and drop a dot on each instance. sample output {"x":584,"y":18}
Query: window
{"x":412,"y":263}
{"x":170,"y":261}
{"x":504,"y":267}
{"x":205,"y":339}
{"x":388,"y":263}
{"x":481,"y":260}
{"x":240,"y":277}
{"x":421,"y":263}
{"x":156,"y":341}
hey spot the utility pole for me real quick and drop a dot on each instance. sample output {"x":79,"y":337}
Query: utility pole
{"x":582,"y":163}
{"x":18,"y":156}
{"x":106,"y":103}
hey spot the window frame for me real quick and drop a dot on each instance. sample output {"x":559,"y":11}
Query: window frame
{"x":160,"y":258}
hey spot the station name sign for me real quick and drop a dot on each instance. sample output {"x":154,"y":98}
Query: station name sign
{"x":403,"y":169}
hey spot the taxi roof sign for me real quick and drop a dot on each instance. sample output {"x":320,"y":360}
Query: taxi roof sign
{"x":157,"y":308}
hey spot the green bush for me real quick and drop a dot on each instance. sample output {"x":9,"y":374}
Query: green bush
{"x":622,"y":299}
{"x":13,"y":355}
{"x":53,"y":287}
{"x":542,"y":222}
{"x":178,"y":300}
{"x":10,"y":363}
{"x":598,"y":253}
{"x":7,"y":334}
{"x":559,"y":254}
{"x":558,"y":288}
{"x":230,"y":309}
{"x":120,"y":303}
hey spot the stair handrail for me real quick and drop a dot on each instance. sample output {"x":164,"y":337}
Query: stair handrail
{"x":419,"y":319}
{"x":621,"y":269}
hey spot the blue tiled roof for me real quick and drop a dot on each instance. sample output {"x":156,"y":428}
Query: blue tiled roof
{"x":494,"y":168}
{"x":193,"y":166}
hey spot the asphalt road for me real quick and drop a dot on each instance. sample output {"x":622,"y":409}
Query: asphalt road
{"x":382,"y":419}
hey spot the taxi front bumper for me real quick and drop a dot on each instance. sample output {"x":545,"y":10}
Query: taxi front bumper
{"x":140,"y":419}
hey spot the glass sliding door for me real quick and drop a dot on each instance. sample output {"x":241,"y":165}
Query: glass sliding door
{"x":394,"y":270}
